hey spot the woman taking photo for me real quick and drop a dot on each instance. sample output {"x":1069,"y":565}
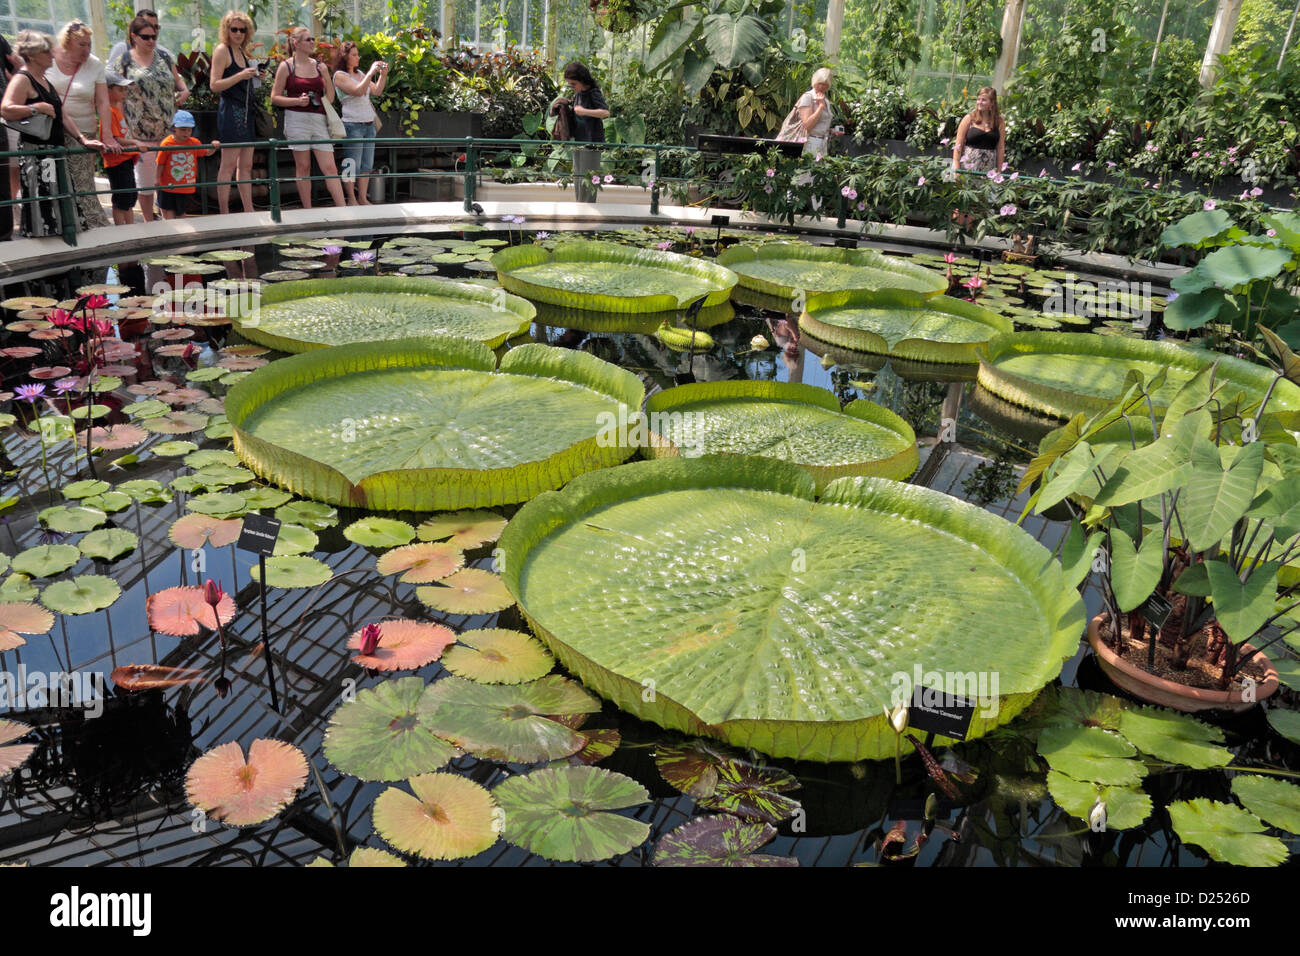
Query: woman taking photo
{"x":589,"y":107}
{"x":816,"y":113}
{"x":981,"y":136}
{"x":233,"y":76}
{"x":155,"y":93}
{"x":29,"y":96}
{"x":302,"y":88}
{"x":78,"y":78}
{"x":359,"y":118}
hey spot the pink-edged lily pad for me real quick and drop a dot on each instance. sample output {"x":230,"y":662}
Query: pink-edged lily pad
{"x":423,"y":563}
{"x":241,"y":363}
{"x":196,"y":530}
{"x":403,"y":645}
{"x":464,"y":529}
{"x":29,"y":325}
{"x":22,"y":617}
{"x":21,"y":351}
{"x":50,"y":335}
{"x":244,"y":350}
{"x":153,"y":387}
{"x":183,"y":396}
{"x":172,"y":335}
{"x":12,"y":755}
{"x":180,"y":611}
{"x":449,"y":818}
{"x":242,"y":792}
{"x":46,"y":372}
{"x":175,"y":423}
{"x":175,"y":350}
{"x":116,"y":437}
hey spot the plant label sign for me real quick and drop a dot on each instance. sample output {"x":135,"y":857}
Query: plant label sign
{"x":1156,"y":611}
{"x":936,"y":712}
{"x":259,"y":534}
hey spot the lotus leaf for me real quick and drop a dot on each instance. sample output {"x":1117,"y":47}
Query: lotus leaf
{"x":560,"y":813}
{"x":84,"y":594}
{"x":316,"y":313}
{"x":789,"y":422}
{"x":774,"y":621}
{"x":718,"y":841}
{"x":783,"y":268}
{"x":449,"y":818}
{"x":426,"y":424}
{"x":380,"y":735}
{"x":1226,"y":832}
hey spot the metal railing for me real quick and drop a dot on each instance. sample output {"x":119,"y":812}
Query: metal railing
{"x":468,"y":156}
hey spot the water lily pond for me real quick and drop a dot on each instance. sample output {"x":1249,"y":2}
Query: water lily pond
{"x":506,"y":619}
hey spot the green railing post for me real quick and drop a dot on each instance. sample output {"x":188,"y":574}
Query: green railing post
{"x":67,"y":205}
{"x":273,"y":173}
{"x":471,"y":172}
{"x":654,"y":188}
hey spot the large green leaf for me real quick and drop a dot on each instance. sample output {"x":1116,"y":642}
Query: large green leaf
{"x":1240,"y":265}
{"x":1135,"y":572}
{"x":425,"y":424}
{"x":1064,"y":373}
{"x":673,"y":32}
{"x":561,"y":813}
{"x":1156,"y":468}
{"x":1126,"y":807}
{"x":790,"y":422}
{"x":903,"y":324}
{"x":732,"y":40}
{"x":1093,"y":754}
{"x":1241,"y":608}
{"x":1174,"y":737}
{"x":316,"y":313}
{"x":1194,"y":229}
{"x":750,"y":620}
{"x":1286,"y":723}
{"x":782,"y":268}
{"x":1274,"y":801}
{"x":1073,"y":470}
{"x":1216,"y":497}
{"x":610,"y":277}
{"x":1226,"y":832}
{"x":381,"y":735}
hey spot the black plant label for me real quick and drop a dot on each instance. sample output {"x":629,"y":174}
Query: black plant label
{"x":259,"y":534}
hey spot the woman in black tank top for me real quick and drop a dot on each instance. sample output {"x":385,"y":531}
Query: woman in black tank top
{"x":981,"y":138}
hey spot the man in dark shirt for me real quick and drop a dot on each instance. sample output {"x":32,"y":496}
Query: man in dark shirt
{"x":8,"y":168}
{"x":589,"y":106}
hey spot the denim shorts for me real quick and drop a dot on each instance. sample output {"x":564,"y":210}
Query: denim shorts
{"x":359,"y":147}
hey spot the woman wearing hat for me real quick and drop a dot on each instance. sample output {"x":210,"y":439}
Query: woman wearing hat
{"x":178,"y":169}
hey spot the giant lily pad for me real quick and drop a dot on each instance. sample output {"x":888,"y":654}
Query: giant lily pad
{"x":718,"y":841}
{"x":902,"y":324}
{"x":776,"y":622}
{"x":84,"y":594}
{"x":608,"y":277}
{"x":561,"y":813}
{"x":380,"y":734}
{"x":1226,"y":832}
{"x":243,"y":792}
{"x":790,"y":422}
{"x":1067,"y":373}
{"x":403,"y":645}
{"x":784,"y":268}
{"x":316,"y":313}
{"x":508,"y":722}
{"x":497,"y":656}
{"x":427,"y":424}
{"x":449,"y":818}
{"x":12,"y":755}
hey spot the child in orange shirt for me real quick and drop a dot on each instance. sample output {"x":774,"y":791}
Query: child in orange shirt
{"x":178,"y":170}
{"x":120,"y":167}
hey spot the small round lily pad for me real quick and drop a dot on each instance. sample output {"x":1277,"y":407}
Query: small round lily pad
{"x":468,"y":591}
{"x":449,"y":818}
{"x":375,"y":532}
{"x":380,"y":736}
{"x":46,"y":560}
{"x":563,"y":813}
{"x":498,"y":656}
{"x":295,"y":571}
{"x":422,"y":563}
{"x":84,"y":594}
{"x":108,"y":543}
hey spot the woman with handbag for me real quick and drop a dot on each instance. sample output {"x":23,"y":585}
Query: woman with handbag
{"x":155,"y":94}
{"x":78,"y":77}
{"x":303,"y":89}
{"x":32,"y":107}
{"x":359,"y":118}
{"x":233,"y":76}
{"x":810,"y":120}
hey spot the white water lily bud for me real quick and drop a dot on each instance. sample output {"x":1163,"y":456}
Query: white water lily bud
{"x":898,"y":719}
{"x":1097,"y":817}
{"x":758,"y":343}
{"x":931,"y":806}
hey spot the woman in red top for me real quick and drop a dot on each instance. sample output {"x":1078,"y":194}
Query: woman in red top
{"x":302,"y":87}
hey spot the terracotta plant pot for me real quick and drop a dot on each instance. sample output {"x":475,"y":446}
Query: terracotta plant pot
{"x":1167,"y":693}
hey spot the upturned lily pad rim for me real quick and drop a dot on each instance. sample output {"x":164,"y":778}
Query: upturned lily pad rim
{"x":423,"y":489}
{"x":898,"y":466}
{"x":290,"y":290}
{"x":818,"y":311}
{"x":1063,"y":403}
{"x":805,"y":252}
{"x":869,"y":737}
{"x":722,"y":279}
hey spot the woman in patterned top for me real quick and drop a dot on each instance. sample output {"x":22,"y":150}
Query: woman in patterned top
{"x":155,"y":93}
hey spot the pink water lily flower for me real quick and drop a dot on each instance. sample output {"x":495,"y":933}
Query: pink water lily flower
{"x":370,"y":635}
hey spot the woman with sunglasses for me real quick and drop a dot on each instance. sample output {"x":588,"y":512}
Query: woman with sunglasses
{"x":302,"y":87}
{"x":233,"y":77}
{"x":155,"y":93}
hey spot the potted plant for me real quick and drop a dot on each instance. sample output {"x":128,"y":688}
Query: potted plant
{"x":1190,"y":515}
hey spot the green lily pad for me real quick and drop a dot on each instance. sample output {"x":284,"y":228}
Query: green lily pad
{"x":4,"y":562}
{"x":109,"y":503}
{"x":1285,"y":722}
{"x":561,"y":813}
{"x":146,"y":408}
{"x":381,"y":734}
{"x":218,"y":505}
{"x":90,"y":411}
{"x":84,"y":489}
{"x":379,"y":533}
{"x":211,"y":456}
{"x":71,"y":520}
{"x":1174,"y":737}
{"x":18,"y":587}
{"x":259,"y":497}
{"x":718,"y":840}
{"x":108,"y":543}
{"x":449,"y":818}
{"x":219,"y":428}
{"x":508,"y":722}
{"x":84,"y":594}
{"x":1093,"y":754}
{"x":294,"y":539}
{"x":211,"y":373}
{"x":1276,"y":802}
{"x":1073,"y":707}
{"x":186,"y":485}
{"x":1126,"y":807}
{"x":213,"y":476}
{"x":46,"y":560}
{"x":53,"y":428}
{"x":145,"y":491}
{"x":464,"y":529}
{"x":1226,"y":832}
{"x":173,"y":449}
{"x":498,"y":656}
{"x":295,"y":571}
{"x":309,"y":514}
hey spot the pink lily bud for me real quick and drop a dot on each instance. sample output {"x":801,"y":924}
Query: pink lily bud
{"x":370,"y":635}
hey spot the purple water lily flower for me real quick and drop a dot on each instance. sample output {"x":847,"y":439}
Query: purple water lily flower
{"x":332,"y":250}
{"x":366,"y":256}
{"x":30,"y":393}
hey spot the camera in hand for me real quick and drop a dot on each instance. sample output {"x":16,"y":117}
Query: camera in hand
{"x":313,"y":98}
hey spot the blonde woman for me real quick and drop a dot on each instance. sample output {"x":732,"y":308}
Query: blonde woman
{"x":78,"y":77}
{"x":234,"y":76}
{"x":302,"y":87}
{"x":816,"y":114}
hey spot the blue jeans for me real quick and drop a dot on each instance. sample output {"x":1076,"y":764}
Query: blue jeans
{"x":360,"y":147}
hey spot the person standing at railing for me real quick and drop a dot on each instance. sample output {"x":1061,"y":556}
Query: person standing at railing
{"x":589,"y":107}
{"x":359,"y":118}
{"x":120,"y":167}
{"x":155,"y":93}
{"x":816,"y":114}
{"x":233,"y":76}
{"x":178,"y":169}
{"x":78,"y":77}
{"x":302,"y":87}
{"x":30,"y":100}
{"x":121,"y":46}
{"x":9,"y":64}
